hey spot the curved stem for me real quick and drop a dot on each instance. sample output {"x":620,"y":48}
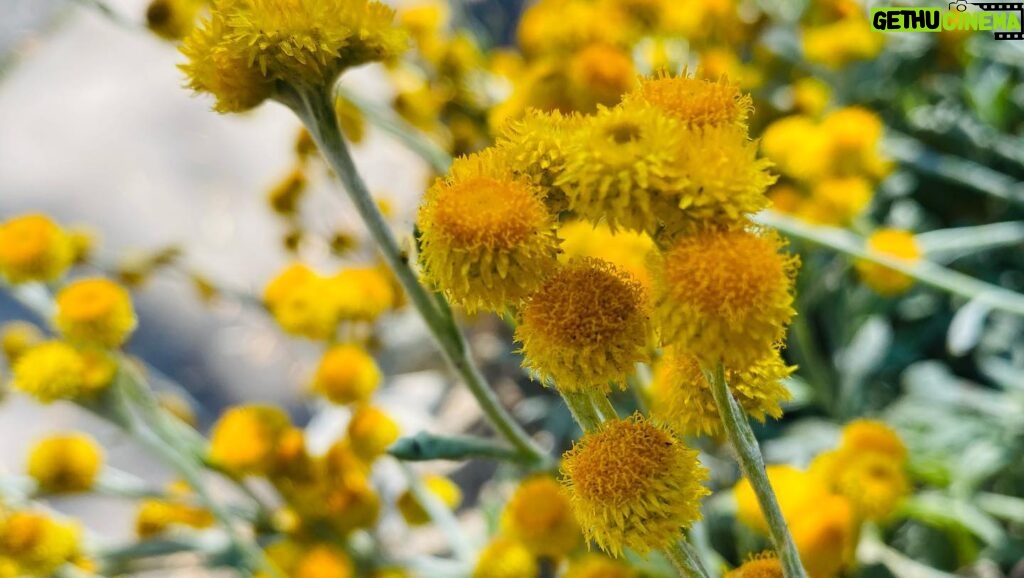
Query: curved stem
{"x":752,"y":463}
{"x":316,"y":110}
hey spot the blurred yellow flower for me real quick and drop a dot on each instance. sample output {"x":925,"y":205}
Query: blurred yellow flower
{"x":33,"y":248}
{"x":157,"y":516}
{"x":284,"y":196}
{"x":839,"y":43}
{"x":346,"y":374}
{"x":894,"y":243}
{"x":868,"y":435}
{"x":173,"y":19}
{"x":37,"y":544}
{"x":95,"y":312}
{"x":363,"y":293}
{"x":65,"y":463}
{"x":371,"y":432}
{"x":506,"y":558}
{"x":837,"y":201}
{"x":446,"y":491}
{"x":55,"y":370}
{"x":17,"y":337}
{"x":301,"y":302}
{"x":539,"y":516}
{"x":245,"y":438}
{"x":597,"y":566}
{"x":599,"y":74}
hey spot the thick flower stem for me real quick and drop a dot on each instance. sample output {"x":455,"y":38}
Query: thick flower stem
{"x":581,"y":406}
{"x":316,"y":110}
{"x":687,"y":562}
{"x":752,"y":463}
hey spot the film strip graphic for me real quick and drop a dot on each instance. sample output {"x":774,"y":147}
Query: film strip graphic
{"x":1004,"y":7}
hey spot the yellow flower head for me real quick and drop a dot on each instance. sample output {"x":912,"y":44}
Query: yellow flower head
{"x":17,"y":337}
{"x":65,"y":463}
{"x":323,"y":561}
{"x":585,"y":327}
{"x":284,"y":196}
{"x":371,"y":432}
{"x":839,"y":43}
{"x":95,"y":312}
{"x":172,"y":19}
{"x":627,"y":250}
{"x":811,"y":95}
{"x":487,"y":237}
{"x":795,"y":145}
{"x":245,"y":438}
{"x":725,"y":296}
{"x":825,"y":536}
{"x":535,"y":147}
{"x":681,"y":396}
{"x":853,"y":136}
{"x":633,"y":485}
{"x":540,"y":517}
{"x":506,"y":558}
{"x":761,"y":566}
{"x":559,"y":26}
{"x":597,"y":566}
{"x":54,"y":370}
{"x":837,"y":201}
{"x":346,"y":374}
{"x":697,"y":102}
{"x":226,"y":74}
{"x":33,"y":248}
{"x":875,"y":483}
{"x":155,"y":517}
{"x":896,"y":244}
{"x":796,"y":490}
{"x":37,"y":544}
{"x":363,"y":293}
{"x":441,"y":487}
{"x":599,"y":74}
{"x":303,"y":302}
{"x":868,"y":435}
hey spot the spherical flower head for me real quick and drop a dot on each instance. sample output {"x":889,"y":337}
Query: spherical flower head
{"x":323,"y":561}
{"x":441,"y":487}
{"x":825,"y":536}
{"x":837,"y":201}
{"x":38,"y":544}
{"x":371,"y":432}
{"x":627,"y":250}
{"x":303,"y":303}
{"x":585,"y":327}
{"x":155,"y":517}
{"x":839,"y":43}
{"x":681,"y":396}
{"x":55,"y":370}
{"x":17,"y":337}
{"x":245,"y":438}
{"x":597,"y":566}
{"x":33,"y":248}
{"x":506,"y":558}
{"x":95,"y":312}
{"x":697,"y":102}
{"x":853,"y":135}
{"x":761,"y":566}
{"x":487,"y":239}
{"x":217,"y":68}
{"x":346,"y":374}
{"x":794,"y":144}
{"x":868,"y":435}
{"x":599,"y":74}
{"x":534,"y":147}
{"x":796,"y":490}
{"x":560,"y":26}
{"x":65,"y":463}
{"x":875,"y":483}
{"x":892,"y":243}
{"x":633,"y":485}
{"x":363,"y":293}
{"x":725,"y":296}
{"x":539,"y":516}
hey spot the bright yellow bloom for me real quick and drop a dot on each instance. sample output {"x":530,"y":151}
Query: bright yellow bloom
{"x":599,"y":74}
{"x":54,"y":370}
{"x":346,"y":374}
{"x":898,"y":245}
{"x":867,"y":435}
{"x":795,"y":145}
{"x":323,"y":561}
{"x":681,"y":396}
{"x":487,"y":237}
{"x":873,"y":482}
{"x":284,"y":196}
{"x":33,"y":248}
{"x":762,"y":566}
{"x":633,"y":485}
{"x":725,"y":296}
{"x":301,"y":302}
{"x":65,"y":463}
{"x":539,"y":516}
{"x":535,"y":147}
{"x":363,"y":293}
{"x":506,"y":558}
{"x":443,"y":488}
{"x":837,"y":201}
{"x":371,"y":432}
{"x":585,"y":327}
{"x":37,"y":544}
{"x":697,"y":102}
{"x":811,"y":96}
{"x":172,"y":19}
{"x":597,"y":566}
{"x":854,"y":134}
{"x":551,"y":26}
{"x":245,"y":438}
{"x":17,"y":337}
{"x":796,"y":490}
{"x":825,"y":537}
{"x":155,"y":517}
{"x":95,"y":312}
{"x":627,"y":250}
{"x":839,"y":43}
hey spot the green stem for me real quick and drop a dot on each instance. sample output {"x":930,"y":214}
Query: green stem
{"x":685,"y":560}
{"x":752,"y":463}
{"x":316,"y":110}
{"x":425,"y":447}
{"x":603,"y":406}
{"x":581,"y":406}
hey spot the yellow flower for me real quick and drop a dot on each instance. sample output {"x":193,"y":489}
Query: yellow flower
{"x":506,"y":558}
{"x":539,"y":516}
{"x":95,"y":312}
{"x":725,"y":296}
{"x":302,"y":302}
{"x":371,"y":432}
{"x":627,"y":250}
{"x":796,"y":490}
{"x":795,"y":145}
{"x":599,"y":74}
{"x":551,"y":26}
{"x":597,"y":566}
{"x":898,"y":245}
{"x":363,"y":293}
{"x":65,"y":463}
{"x":873,"y":482}
{"x":487,"y":238}
{"x":444,"y":489}
{"x":535,"y":147}
{"x":585,"y":327}
{"x":681,"y":396}
{"x":17,"y":337}
{"x":853,"y":135}
{"x":825,"y":537}
{"x":172,"y":19}
{"x":37,"y":544}
{"x":155,"y":517}
{"x":245,"y":438}
{"x":54,"y":370}
{"x":33,"y":248}
{"x":837,"y":201}
{"x":697,"y":102}
{"x":761,"y":566}
{"x":285,"y":195}
{"x":867,"y":435}
{"x":346,"y":374}
{"x":323,"y":561}
{"x":811,"y":96}
{"x":839,"y":43}
{"x":633,"y":485}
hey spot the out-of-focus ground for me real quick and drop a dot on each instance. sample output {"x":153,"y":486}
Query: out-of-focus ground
{"x":96,"y":129}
